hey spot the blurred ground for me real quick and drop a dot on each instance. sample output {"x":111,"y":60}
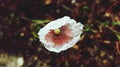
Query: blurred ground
{"x":99,"y":45}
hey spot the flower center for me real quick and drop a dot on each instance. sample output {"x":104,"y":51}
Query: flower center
{"x":57,"y":31}
{"x":59,"y":36}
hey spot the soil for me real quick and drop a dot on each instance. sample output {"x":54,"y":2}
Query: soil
{"x":99,"y":45}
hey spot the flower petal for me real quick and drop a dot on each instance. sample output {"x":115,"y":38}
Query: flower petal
{"x":69,"y":35}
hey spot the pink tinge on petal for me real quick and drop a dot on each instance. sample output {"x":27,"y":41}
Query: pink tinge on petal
{"x":66,"y":30}
{"x":60,"y":39}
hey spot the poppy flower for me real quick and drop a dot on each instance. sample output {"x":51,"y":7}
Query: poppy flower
{"x":60,"y":34}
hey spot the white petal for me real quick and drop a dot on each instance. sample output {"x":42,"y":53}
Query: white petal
{"x":76,"y":31}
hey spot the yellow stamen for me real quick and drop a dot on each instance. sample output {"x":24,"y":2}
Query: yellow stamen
{"x":57,"y":31}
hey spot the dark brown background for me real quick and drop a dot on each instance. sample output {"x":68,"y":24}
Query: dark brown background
{"x":99,"y":45}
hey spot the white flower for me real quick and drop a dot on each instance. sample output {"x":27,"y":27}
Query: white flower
{"x":60,"y":34}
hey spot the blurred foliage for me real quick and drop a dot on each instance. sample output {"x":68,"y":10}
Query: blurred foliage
{"x":40,"y":21}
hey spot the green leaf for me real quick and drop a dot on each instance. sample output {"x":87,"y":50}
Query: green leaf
{"x":88,"y":27}
{"x":40,"y":21}
{"x":116,"y":23}
{"x":118,"y":36}
{"x":104,"y":23}
{"x":35,"y":34}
